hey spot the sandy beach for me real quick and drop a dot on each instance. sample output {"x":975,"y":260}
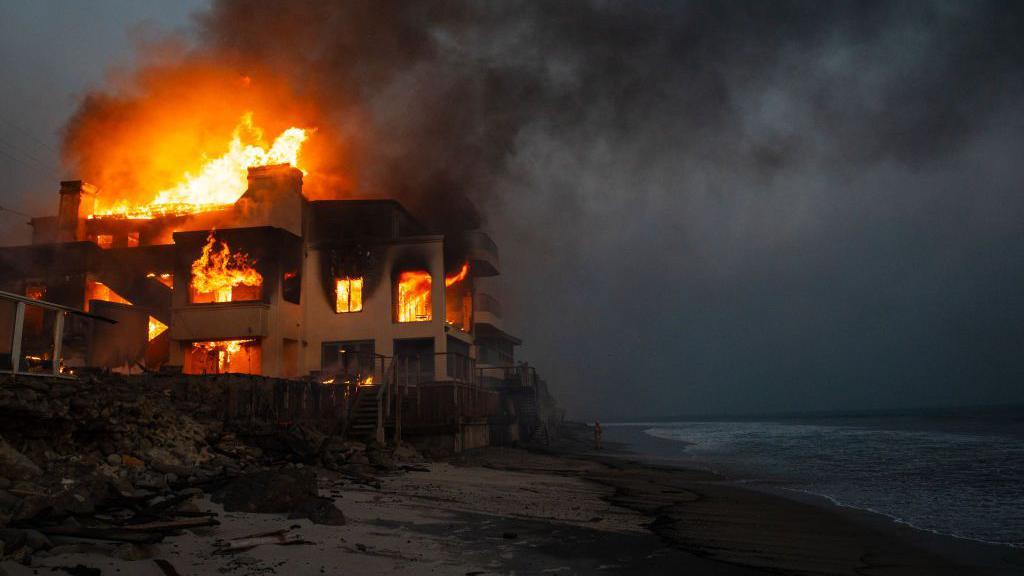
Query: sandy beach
{"x":562,"y":511}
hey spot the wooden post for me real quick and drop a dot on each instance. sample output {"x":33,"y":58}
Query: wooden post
{"x":398,"y":409}
{"x":19,"y":323}
{"x":58,"y":340}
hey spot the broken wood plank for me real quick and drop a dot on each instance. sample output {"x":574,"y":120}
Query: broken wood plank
{"x":107,"y":534}
{"x":171,"y":525}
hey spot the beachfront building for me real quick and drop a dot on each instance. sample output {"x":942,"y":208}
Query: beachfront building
{"x":346,"y":292}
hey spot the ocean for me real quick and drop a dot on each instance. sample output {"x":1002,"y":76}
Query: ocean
{"x":961,"y":475}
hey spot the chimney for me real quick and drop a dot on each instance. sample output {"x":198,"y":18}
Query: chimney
{"x":274,"y":198}
{"x":77,"y":202}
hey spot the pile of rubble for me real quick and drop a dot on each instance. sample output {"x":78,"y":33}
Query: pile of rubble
{"x":119,"y":461}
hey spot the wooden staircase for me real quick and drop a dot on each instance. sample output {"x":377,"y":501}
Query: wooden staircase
{"x":362,"y":417}
{"x":370,"y":415}
{"x":531,"y":427}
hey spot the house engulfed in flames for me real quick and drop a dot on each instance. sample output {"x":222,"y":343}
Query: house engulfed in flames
{"x":353,"y":292}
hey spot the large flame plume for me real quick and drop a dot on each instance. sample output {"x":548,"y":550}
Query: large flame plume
{"x":218,"y":272}
{"x":219,"y":181}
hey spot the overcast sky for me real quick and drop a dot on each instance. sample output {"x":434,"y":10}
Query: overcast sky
{"x":701,"y":207}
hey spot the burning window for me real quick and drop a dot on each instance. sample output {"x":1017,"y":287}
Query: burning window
{"x":105,"y":241}
{"x":133,"y":239}
{"x":156,"y":328}
{"x":224,"y":356}
{"x":99,"y":291}
{"x":349,"y":295}
{"x":414,"y":303}
{"x":220,"y":276}
{"x":291,"y":287}
{"x":458,"y":298}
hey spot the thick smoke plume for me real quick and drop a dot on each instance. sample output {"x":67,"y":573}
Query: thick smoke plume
{"x":722,"y":205}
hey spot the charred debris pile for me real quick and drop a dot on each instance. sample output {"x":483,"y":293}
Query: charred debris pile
{"x":112,"y":462}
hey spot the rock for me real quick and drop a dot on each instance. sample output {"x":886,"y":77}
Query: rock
{"x":303,"y":441}
{"x":16,"y":465}
{"x":406,"y":453}
{"x":132,"y":462}
{"x":163,"y":461}
{"x":114,"y":459}
{"x":381,"y":458}
{"x":5,"y":483}
{"x":36,"y":540}
{"x":8,"y":501}
{"x":291,"y":491}
{"x":12,"y":538}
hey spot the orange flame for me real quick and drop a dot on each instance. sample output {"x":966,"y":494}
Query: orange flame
{"x":414,"y":296}
{"x":156,"y":328}
{"x":223,"y":350}
{"x":349,"y":296}
{"x":218,"y":272}
{"x":459,"y":277}
{"x":220,"y":181}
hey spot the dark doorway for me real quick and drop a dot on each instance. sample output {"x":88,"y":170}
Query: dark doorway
{"x":350,"y":362}
{"x":414,"y":361}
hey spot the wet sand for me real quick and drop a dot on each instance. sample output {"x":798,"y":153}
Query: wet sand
{"x":509,"y":511}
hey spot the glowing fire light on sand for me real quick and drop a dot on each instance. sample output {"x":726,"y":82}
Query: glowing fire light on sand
{"x":218,"y":271}
{"x":220,"y":181}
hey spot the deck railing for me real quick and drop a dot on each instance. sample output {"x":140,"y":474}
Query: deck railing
{"x":35,"y":335}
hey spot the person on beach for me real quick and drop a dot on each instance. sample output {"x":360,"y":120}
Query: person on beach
{"x":597,"y":435}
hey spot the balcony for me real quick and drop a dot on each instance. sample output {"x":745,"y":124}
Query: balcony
{"x":487,"y":310}
{"x":220,"y":321}
{"x":481,"y":252}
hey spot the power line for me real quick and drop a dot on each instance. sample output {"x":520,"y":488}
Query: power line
{"x":22,"y":214}
{"x":28,"y":133}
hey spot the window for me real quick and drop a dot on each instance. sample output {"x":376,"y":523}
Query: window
{"x":133,"y":239}
{"x":291,"y":287}
{"x":414,"y":303}
{"x":349,"y":295}
{"x":105,"y":241}
{"x":224,"y":357}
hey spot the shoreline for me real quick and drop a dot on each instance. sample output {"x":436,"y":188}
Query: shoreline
{"x":560,"y":510}
{"x":965,"y":555}
{"x":775,"y":486}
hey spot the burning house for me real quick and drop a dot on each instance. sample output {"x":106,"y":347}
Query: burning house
{"x":237,"y":271}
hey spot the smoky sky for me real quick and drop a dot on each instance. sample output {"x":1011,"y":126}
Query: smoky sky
{"x":702,"y":207}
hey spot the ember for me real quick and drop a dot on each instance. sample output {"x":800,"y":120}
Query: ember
{"x":414,"y":303}
{"x":217,"y":274}
{"x":220,"y":181}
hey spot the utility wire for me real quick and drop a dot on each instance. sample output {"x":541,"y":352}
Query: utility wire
{"x":22,"y":214}
{"x":28,"y":133}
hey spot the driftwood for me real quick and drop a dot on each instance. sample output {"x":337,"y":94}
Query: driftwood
{"x":109,"y":534}
{"x":166,"y":567}
{"x":171,"y":525}
{"x":278,"y":537}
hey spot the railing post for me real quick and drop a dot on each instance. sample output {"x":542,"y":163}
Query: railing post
{"x":58,"y":341}
{"x":19,"y":323}
{"x":398,"y":409}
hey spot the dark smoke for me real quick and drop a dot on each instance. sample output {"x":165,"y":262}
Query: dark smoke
{"x":702,"y":206}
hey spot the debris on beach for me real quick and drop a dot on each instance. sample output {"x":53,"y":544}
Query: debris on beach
{"x":104,"y":463}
